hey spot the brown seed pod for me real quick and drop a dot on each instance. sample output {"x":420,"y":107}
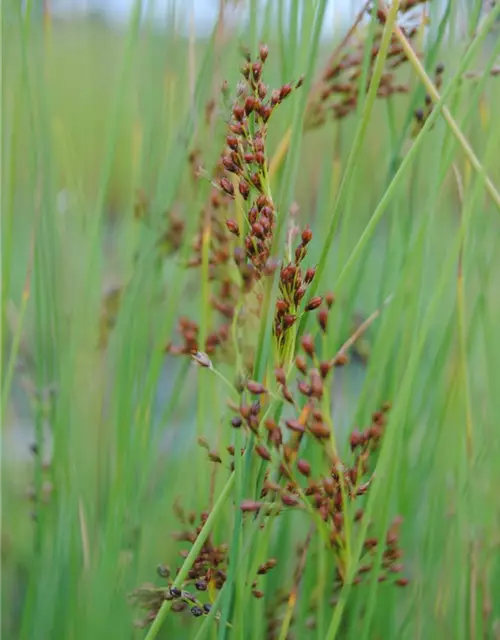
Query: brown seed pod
{"x":307,"y":343}
{"x":301,"y":364}
{"x":295,"y":425}
{"x":256,"y":387}
{"x":304,"y":467}
{"x":251,"y":506}
{"x":263,"y":452}
{"x":314,"y":303}
{"x":289,"y":500}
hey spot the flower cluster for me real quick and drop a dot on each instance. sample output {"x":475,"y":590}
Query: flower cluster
{"x":338,"y":88}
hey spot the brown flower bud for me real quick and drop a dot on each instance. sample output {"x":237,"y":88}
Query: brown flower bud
{"x":295,"y":425}
{"x":307,"y":343}
{"x":304,"y":467}
{"x":227,"y":186}
{"x":233,"y":227}
{"x":306,"y":235}
{"x":256,"y":387}
{"x":314,"y":303}
{"x":263,"y":52}
{"x":263,"y":452}
{"x":244,"y":189}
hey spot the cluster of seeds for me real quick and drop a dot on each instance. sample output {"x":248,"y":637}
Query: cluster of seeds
{"x":281,"y":440}
{"x":239,"y":250}
{"x":205,"y":578}
{"x":337,"y":91}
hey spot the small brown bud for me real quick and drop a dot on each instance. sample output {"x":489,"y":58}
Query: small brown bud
{"x":256,"y":71}
{"x":324,"y":369}
{"x":257,"y":593}
{"x":244,"y":189}
{"x":280,"y":375}
{"x":258,"y":230}
{"x":250,"y":104}
{"x":304,"y":467}
{"x":270,"y":424}
{"x":214,"y":456}
{"x":323,"y":319}
{"x":238,"y":112}
{"x":402,"y":582}
{"x":304,"y":388}
{"x":227,"y":186}
{"x":306,"y":235}
{"x":316,"y":383}
{"x":370,"y":543}
{"x":341,"y":360}
{"x":249,"y":158}
{"x":307,"y":343}
{"x":286,"y":394}
{"x":232,"y":142}
{"x":256,"y":387}
{"x":289,"y":500}
{"x":275,"y":97}
{"x":281,"y":306}
{"x":285,"y":90}
{"x":236,"y":422}
{"x":262,"y":452}
{"x":320,"y":431}
{"x":233,"y":227}
{"x":314,"y":303}
{"x":329,"y":299}
{"x":310,"y":273}
{"x":263,"y":52}
{"x":260,"y":158}
{"x":301,"y":364}
{"x":289,"y":320}
{"x":355,"y":439}
{"x":251,"y":506}
{"x":295,"y":425}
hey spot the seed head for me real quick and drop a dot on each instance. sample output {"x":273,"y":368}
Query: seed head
{"x":307,"y":343}
{"x":314,"y":303}
{"x":323,"y":319}
{"x":233,"y":227}
{"x":196,"y":611}
{"x":263,"y":52}
{"x":244,"y":189}
{"x":227,"y":186}
{"x":263,"y":452}
{"x":329,"y":299}
{"x":301,"y":364}
{"x":306,"y":236}
{"x":295,"y":425}
{"x":256,"y":387}
{"x":251,"y":506}
{"x":304,"y":467}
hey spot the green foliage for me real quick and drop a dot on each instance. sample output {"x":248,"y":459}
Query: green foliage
{"x":124,"y":436}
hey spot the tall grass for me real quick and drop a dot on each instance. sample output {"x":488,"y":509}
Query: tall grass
{"x":110,"y":437}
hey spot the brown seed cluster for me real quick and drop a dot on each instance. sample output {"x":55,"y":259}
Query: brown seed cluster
{"x":208,"y":573}
{"x":245,"y":161}
{"x":337,"y":91}
{"x":293,"y":285}
{"x":241,"y":185}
